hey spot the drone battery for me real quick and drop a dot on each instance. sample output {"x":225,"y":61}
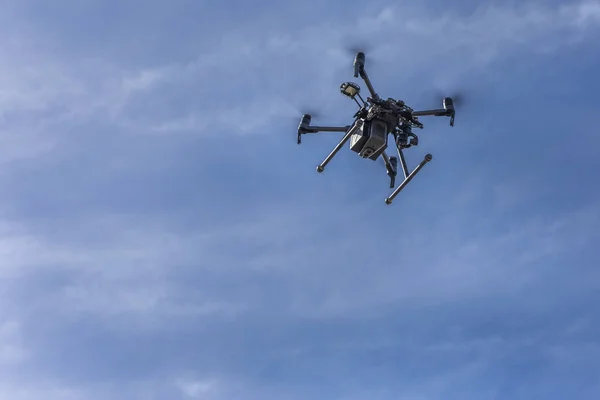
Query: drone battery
{"x":371,"y":140}
{"x":358,"y":140}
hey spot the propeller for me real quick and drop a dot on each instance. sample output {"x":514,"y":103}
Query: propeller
{"x":357,"y":47}
{"x":297,"y":113}
{"x":459,"y":97}
{"x":351,"y":46}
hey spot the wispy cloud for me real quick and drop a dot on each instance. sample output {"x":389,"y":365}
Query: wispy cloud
{"x":11,"y":346}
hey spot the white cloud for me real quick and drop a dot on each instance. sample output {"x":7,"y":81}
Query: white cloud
{"x":586,"y":12}
{"x":36,"y":390}
{"x":131,"y":273}
{"x":135,"y":275}
{"x":462,"y":266}
{"x":12,"y":348}
{"x":196,"y":389}
{"x":125,"y":279}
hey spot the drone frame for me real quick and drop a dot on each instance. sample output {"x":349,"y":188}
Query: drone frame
{"x":400,"y":143}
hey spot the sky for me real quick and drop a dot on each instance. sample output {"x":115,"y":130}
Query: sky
{"x":162,"y":235}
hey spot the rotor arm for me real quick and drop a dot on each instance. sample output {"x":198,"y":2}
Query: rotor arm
{"x":305,"y":127}
{"x":359,"y":69}
{"x":365,"y":77}
{"x":436,"y":113}
{"x":447,"y":111}
{"x":315,"y":129}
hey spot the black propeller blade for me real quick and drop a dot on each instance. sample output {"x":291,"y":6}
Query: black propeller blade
{"x":459,"y":97}
{"x":298,"y":115}
{"x":352,"y":46}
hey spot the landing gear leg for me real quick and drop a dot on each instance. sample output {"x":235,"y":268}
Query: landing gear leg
{"x":391,"y":167}
{"x":357,"y":125}
{"x":409,"y":177}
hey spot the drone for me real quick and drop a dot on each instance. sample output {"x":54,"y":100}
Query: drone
{"x":374,"y":121}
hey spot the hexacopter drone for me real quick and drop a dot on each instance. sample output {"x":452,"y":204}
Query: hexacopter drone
{"x":375,"y":120}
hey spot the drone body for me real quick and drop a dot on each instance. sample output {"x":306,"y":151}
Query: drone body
{"x":374,"y":122}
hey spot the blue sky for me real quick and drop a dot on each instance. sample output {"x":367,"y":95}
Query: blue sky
{"x":162,"y":236}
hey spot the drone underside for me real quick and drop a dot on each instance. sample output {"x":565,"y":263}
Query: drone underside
{"x":374,"y":122}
